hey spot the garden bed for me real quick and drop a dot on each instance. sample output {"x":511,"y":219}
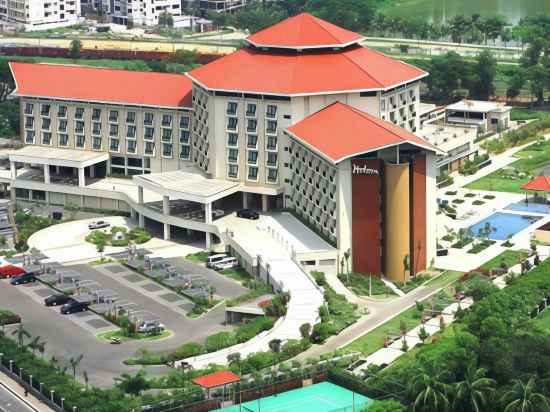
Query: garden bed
{"x":481,"y":246}
{"x":361,"y":284}
{"x":8,"y":318}
{"x":102,"y":238}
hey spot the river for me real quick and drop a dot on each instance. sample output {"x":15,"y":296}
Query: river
{"x":441,"y":10}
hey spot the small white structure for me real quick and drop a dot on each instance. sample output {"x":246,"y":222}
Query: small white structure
{"x":487,"y":116}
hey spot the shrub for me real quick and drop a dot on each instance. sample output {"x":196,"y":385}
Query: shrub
{"x":254,"y":328}
{"x":185,"y":351}
{"x":219,"y":341}
{"x":322,"y":331}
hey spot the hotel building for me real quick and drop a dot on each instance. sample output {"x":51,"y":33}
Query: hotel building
{"x":303,"y":118}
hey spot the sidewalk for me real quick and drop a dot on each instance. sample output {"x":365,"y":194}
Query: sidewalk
{"x":19,"y":392}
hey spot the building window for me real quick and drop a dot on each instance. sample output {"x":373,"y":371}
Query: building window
{"x":46,"y":124}
{"x":45,"y":110}
{"x":252,"y":141}
{"x":167,"y":149}
{"x":271,"y":111}
{"x":62,"y":125}
{"x":232,"y":155}
{"x":251,"y":110}
{"x":63,"y":139}
{"x":96,"y":128}
{"x":184,"y":137}
{"x":113,"y":116}
{"x":131,"y":132}
{"x":232,"y":108}
{"x":272,"y":175}
{"x":113,"y":130}
{"x":167,"y":120}
{"x":271,"y":143}
{"x":79,"y":113}
{"x":383,"y":105}
{"x":29,"y":137}
{"x":252,"y":173}
{"x":79,"y":126}
{"x":62,"y":111}
{"x":29,"y":108}
{"x":149,"y":148}
{"x":252,"y":157}
{"x":131,"y":117}
{"x":96,"y":143}
{"x":184,"y":122}
{"x":96,"y":114}
{"x":232,"y":139}
{"x":149,"y":133}
{"x":233,"y":171}
{"x":131,"y":146}
{"x":166,"y":135}
{"x":148,"y":119}
{"x":271,"y":127}
{"x":114,"y":146}
{"x":185,"y":151}
{"x":272,"y":159}
{"x":29,"y":122}
{"x":80,"y":141}
{"x":251,"y":125}
{"x":232,"y":124}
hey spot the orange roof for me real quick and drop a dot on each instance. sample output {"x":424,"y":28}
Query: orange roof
{"x":539,"y":183}
{"x":216,"y":379}
{"x":354,"y":69}
{"x":339,"y":131}
{"x":304,"y":31}
{"x":101,"y":85}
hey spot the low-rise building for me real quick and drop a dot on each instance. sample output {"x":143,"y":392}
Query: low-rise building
{"x":40,"y":14}
{"x":141,"y":12}
{"x":486,"y":116}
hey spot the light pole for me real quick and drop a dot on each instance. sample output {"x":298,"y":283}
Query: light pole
{"x":41,"y":384}
{"x":51,"y":395}
{"x":62,"y":402}
{"x":11,"y":366}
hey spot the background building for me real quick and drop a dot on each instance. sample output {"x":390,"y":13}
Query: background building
{"x":40,"y":14}
{"x":141,"y":12}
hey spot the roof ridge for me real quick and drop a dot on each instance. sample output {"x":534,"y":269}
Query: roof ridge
{"x":318,"y":21}
{"x":379,"y":122}
{"x":345,"y":54}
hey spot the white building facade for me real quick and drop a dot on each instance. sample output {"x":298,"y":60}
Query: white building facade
{"x":40,"y":14}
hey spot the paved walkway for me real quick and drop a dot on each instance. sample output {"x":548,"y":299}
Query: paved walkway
{"x":13,"y":399}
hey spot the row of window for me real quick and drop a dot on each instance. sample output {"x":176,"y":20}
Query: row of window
{"x":252,"y":173}
{"x":251,"y":126}
{"x":252,"y":157}
{"x":251,"y":110}
{"x":252,"y":141}
{"x":401,"y":98}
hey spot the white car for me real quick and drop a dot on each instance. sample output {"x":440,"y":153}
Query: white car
{"x":148,"y":327}
{"x":98,"y":224}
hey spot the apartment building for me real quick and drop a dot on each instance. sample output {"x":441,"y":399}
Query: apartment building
{"x":303,"y":118}
{"x":40,"y":14}
{"x":141,"y":12}
{"x":221,"y":6}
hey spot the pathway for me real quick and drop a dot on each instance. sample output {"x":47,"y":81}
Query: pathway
{"x":13,"y":399}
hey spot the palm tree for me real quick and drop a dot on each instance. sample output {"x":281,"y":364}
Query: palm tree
{"x":86,"y":378}
{"x":523,"y":397}
{"x":34,"y":345}
{"x":74,"y":364}
{"x":429,"y":391}
{"x":474,"y":391}
{"x":21,"y":333}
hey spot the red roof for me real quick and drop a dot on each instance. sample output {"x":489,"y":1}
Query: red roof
{"x":304,"y":31}
{"x":216,"y":379}
{"x":101,"y":85}
{"x":340,"y":131}
{"x":256,"y":71}
{"x":540,"y":183}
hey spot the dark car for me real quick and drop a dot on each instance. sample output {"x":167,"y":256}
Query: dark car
{"x":248,"y":214}
{"x":22,"y":279}
{"x":73,"y":307}
{"x":59,"y":299}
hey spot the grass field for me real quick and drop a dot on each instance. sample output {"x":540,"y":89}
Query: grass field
{"x":509,"y":257}
{"x":446,"y":278}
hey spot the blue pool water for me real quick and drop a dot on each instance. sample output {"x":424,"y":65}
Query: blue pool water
{"x":505,"y":224}
{"x":529,"y":207}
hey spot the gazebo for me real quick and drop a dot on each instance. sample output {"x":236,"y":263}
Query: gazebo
{"x":538,"y":184}
{"x":216,"y":380}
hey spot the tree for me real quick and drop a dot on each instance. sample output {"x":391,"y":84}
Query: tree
{"x":21,"y":333}
{"x":133,"y":384}
{"x":428,"y":390}
{"x":473,"y":393}
{"x":76,"y":48}
{"x":353,"y":15}
{"x":389,"y":405}
{"x":100,"y":246}
{"x":486,"y":70}
{"x":7,"y":84}
{"x":524,"y":397}
{"x":166,"y":19}
{"x":515,"y":84}
{"x":305,"y":330}
{"x":74,"y":362}
{"x":275,"y":345}
{"x":458,"y":27}
{"x":422,"y":334}
{"x":234,"y":359}
{"x":347,"y":255}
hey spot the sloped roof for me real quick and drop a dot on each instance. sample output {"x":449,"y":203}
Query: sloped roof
{"x":101,"y":84}
{"x":354,"y":69}
{"x":304,"y":31}
{"x":539,"y":183}
{"x":216,"y":379}
{"x":339,"y":131}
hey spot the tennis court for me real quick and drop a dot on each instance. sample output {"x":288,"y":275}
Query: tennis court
{"x":322,"y":397}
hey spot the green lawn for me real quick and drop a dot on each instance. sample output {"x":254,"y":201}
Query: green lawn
{"x":510,"y":257}
{"x":106,"y":336}
{"x":543,"y":320}
{"x":530,"y":162}
{"x":198,"y":257}
{"x":446,"y":278}
{"x":360,"y":284}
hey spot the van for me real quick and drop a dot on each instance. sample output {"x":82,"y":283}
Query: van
{"x":212,"y":260}
{"x":227,"y":263}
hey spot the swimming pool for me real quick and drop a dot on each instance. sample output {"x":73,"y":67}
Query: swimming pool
{"x":529,"y":207}
{"x":505,"y":224}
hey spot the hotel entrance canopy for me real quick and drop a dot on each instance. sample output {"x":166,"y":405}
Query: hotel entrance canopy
{"x":57,"y":157}
{"x":191,"y":186}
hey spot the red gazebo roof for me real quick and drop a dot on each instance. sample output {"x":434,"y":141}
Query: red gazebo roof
{"x":539,"y":183}
{"x":216,"y":379}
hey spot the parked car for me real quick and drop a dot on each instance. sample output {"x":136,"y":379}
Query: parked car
{"x":57,"y":299}
{"x":22,"y":279}
{"x":227,"y":263}
{"x":98,"y":224}
{"x":148,"y":327}
{"x":213,"y":259}
{"x":73,"y":307}
{"x":248,"y":214}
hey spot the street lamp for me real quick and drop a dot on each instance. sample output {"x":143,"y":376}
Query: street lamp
{"x":51,"y":394}
{"x":41,"y":384}
{"x":62,"y":402}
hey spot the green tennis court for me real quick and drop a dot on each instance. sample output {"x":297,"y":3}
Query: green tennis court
{"x":322,"y":397}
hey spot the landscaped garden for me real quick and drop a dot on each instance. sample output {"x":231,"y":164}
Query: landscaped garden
{"x":365,"y":285}
{"x":118,"y":236}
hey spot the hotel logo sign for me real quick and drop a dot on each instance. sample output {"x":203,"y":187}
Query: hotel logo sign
{"x":364,"y":170}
